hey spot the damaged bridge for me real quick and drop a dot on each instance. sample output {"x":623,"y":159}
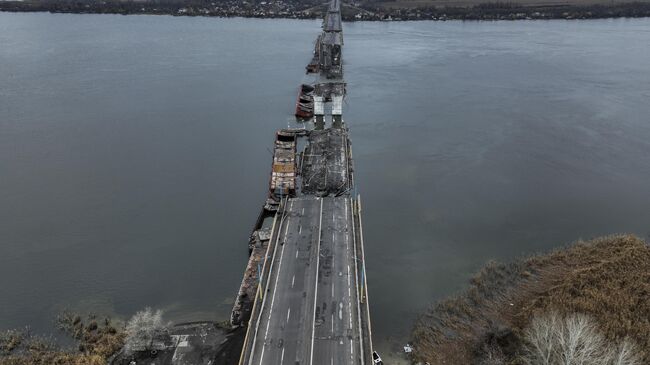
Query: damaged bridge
{"x":304,"y":297}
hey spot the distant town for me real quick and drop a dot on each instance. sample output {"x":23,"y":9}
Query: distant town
{"x":353,"y":11}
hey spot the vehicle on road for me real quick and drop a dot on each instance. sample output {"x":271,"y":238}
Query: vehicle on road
{"x":376,"y":359}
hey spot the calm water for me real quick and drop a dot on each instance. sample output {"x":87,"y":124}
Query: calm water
{"x":134,"y":153}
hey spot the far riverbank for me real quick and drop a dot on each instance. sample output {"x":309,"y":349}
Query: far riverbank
{"x":362,"y":12}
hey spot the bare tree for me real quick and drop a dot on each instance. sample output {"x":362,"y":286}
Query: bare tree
{"x":143,"y":329}
{"x":625,"y":354}
{"x":573,"y":340}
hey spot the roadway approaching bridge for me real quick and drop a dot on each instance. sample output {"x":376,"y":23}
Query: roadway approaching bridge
{"x":304,"y":296}
{"x":312,"y":310}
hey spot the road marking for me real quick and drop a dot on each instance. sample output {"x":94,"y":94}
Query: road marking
{"x":288,"y":314}
{"x":286,"y":228}
{"x":356,"y":284}
{"x":350,"y":312}
{"x":340,"y":311}
{"x":332,"y":323}
{"x":313,"y":325}
{"x":296,"y":253}
{"x":299,"y":229}
{"x":349,"y":284}
{"x":303,"y":211}
{"x":275,"y":286}
{"x":293,"y":280}
{"x":332,"y":289}
{"x":262,"y":354}
{"x":282,"y":356}
{"x":259,"y":318}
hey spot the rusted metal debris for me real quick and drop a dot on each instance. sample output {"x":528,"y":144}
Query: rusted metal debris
{"x":283,"y":175}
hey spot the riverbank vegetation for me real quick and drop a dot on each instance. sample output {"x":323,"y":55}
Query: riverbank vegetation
{"x":144,"y":339}
{"x":96,"y":340}
{"x":587,"y":302}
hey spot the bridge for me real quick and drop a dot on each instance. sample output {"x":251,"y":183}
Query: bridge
{"x":304,"y":298}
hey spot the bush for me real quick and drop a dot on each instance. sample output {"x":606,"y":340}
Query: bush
{"x":96,"y":342}
{"x":143,"y":329}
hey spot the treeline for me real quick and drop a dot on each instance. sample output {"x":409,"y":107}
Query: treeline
{"x":219,"y":8}
{"x":305,"y":10}
{"x":511,"y":11}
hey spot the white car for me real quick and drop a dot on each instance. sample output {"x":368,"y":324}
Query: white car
{"x":376,"y":359}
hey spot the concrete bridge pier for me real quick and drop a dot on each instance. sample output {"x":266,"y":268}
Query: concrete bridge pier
{"x":319,"y":112}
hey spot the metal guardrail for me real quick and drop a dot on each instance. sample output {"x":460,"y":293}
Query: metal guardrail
{"x":259,"y":293}
{"x":364,"y":280}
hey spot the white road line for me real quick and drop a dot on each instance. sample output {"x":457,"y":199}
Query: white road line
{"x":282,"y":356}
{"x":275,"y":286}
{"x":286,"y":228}
{"x":350,"y":313}
{"x":332,"y":323}
{"x":349,"y":283}
{"x":259,"y":318}
{"x":356,"y":284}
{"x":293,"y":280}
{"x":303,"y":211}
{"x":262,"y":353}
{"x":296,"y":253}
{"x":313,"y":325}
{"x":332,"y":289}
{"x":299,"y":229}
{"x":288,"y":314}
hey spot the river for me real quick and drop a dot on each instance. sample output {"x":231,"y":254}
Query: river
{"x":134,"y":153}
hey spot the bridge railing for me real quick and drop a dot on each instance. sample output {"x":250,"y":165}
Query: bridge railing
{"x":252,"y":323}
{"x":363,"y":296}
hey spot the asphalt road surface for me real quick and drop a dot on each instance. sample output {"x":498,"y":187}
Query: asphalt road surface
{"x":310,"y":312}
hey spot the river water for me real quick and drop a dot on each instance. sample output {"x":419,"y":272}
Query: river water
{"x":134,"y":153}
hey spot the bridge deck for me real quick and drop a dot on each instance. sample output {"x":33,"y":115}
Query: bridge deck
{"x":311,"y":312}
{"x":312,"y":305}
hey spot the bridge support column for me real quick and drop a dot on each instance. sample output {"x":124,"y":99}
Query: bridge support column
{"x":319,"y":111}
{"x":337,"y":111}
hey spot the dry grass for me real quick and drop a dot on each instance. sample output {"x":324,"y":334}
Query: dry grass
{"x":607,"y":278}
{"x":96,"y":340}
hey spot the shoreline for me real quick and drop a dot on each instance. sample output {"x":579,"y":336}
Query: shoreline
{"x":603,"y":279}
{"x":480,"y":12}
